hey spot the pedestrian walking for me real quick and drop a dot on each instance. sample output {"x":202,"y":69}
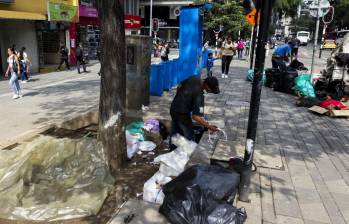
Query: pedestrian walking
{"x":240,"y":47}
{"x":247,"y":47}
{"x":228,"y":50}
{"x":210,"y":64}
{"x":80,"y":58}
{"x":64,"y":57}
{"x":24,"y":62}
{"x":13,"y":69}
{"x":164,"y":52}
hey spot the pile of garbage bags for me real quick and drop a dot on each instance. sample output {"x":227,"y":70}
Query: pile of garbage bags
{"x":53,"y":179}
{"x":143,"y":136}
{"x":171,"y":165}
{"x":203,"y":194}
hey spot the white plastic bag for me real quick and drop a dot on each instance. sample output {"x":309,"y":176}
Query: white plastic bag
{"x":152,"y":189}
{"x":175,"y":162}
{"x":147,"y":146}
{"x":183,"y":144}
{"x":132,"y":143}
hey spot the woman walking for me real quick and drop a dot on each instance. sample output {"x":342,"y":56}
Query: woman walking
{"x":241,"y":47}
{"x":13,"y":68}
{"x":227,"y":55}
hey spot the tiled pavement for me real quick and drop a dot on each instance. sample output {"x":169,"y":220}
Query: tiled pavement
{"x":312,"y":187}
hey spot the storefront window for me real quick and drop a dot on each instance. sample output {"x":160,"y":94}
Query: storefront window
{"x":90,"y":3}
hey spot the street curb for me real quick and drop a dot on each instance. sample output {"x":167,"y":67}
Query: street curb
{"x":73,"y":122}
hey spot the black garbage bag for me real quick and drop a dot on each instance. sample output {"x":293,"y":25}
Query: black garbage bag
{"x":192,"y":205}
{"x":308,"y":102}
{"x":218,"y":180}
{"x":272,"y":75}
{"x":298,"y":65}
{"x":285,"y":81}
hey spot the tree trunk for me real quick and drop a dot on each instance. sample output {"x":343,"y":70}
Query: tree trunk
{"x":113,"y":82}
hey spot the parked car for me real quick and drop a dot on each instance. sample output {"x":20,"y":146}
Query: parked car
{"x":303,"y":37}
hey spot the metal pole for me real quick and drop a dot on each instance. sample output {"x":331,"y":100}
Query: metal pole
{"x":151,"y":18}
{"x":266,"y":6}
{"x":322,"y":39}
{"x":316,"y":37}
{"x":253,"y":44}
{"x":250,"y":43}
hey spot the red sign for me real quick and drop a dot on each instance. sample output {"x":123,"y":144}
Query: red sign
{"x":132,"y":22}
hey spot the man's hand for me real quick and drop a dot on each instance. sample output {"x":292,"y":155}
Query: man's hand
{"x":212,"y":128}
{"x":6,"y":74}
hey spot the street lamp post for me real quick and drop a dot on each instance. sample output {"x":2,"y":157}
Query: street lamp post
{"x":316,"y":36}
{"x":151,"y":18}
{"x":266,"y":8}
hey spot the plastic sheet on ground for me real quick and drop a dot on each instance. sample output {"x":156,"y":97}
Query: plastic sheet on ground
{"x":303,"y":85}
{"x":250,"y":76}
{"x":51,"y":179}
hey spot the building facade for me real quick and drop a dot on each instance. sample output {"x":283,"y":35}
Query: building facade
{"x":43,"y":25}
{"x":167,"y":12}
{"x":39,"y":25}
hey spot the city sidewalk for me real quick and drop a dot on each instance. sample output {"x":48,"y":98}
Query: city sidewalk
{"x":311,"y":185}
{"x":47,"y":98}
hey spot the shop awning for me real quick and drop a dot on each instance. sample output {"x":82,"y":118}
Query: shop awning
{"x":6,"y":14}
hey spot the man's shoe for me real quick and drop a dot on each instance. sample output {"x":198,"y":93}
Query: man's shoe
{"x":15,"y":97}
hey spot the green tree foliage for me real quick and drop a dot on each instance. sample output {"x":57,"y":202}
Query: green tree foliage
{"x":303,"y":23}
{"x":288,"y":7}
{"x":229,"y":14}
{"x":341,"y":15}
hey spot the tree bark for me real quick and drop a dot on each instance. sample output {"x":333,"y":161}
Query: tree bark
{"x":113,"y":82}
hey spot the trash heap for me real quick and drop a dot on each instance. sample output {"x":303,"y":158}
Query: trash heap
{"x":51,"y":179}
{"x":201,"y":194}
{"x":144,"y":136}
{"x":311,"y":91}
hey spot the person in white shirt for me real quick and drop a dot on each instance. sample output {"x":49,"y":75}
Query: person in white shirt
{"x":13,"y":68}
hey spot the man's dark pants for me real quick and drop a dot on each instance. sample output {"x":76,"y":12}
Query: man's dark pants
{"x":64,"y":60}
{"x":183,"y":127}
{"x":278,"y":63}
{"x":81,"y":62}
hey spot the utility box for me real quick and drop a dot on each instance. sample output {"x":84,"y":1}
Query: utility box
{"x":138,"y":60}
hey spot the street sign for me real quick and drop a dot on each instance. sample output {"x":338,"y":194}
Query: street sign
{"x":324,"y":8}
{"x":250,"y":17}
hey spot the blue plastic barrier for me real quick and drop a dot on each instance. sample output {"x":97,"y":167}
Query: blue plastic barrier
{"x":166,"y":85}
{"x":156,"y":80}
{"x":174,"y":72}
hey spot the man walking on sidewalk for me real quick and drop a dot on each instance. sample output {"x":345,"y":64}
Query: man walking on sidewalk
{"x":80,"y":58}
{"x":64,"y":57}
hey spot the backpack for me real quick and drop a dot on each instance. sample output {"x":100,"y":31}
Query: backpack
{"x":14,"y":65}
